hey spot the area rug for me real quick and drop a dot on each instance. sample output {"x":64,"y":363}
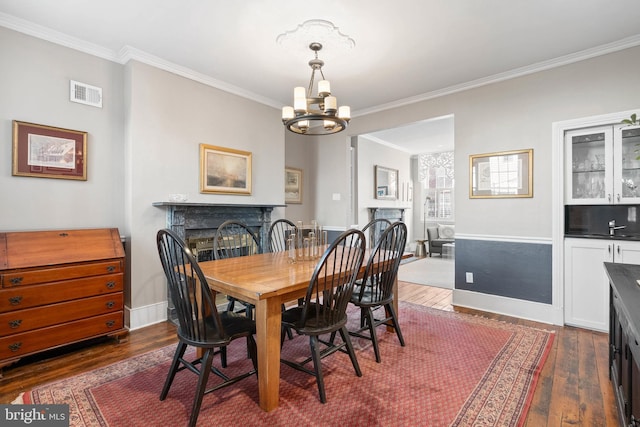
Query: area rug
{"x":455,"y":369}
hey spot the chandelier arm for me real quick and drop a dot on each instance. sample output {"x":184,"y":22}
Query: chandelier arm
{"x":310,"y":89}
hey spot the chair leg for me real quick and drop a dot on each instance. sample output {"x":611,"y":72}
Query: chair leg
{"x":173,"y":369}
{"x":317,"y":366}
{"x":205,"y":369}
{"x":396,"y":324}
{"x":372,"y":332}
{"x":253,"y":352}
{"x":223,"y":357}
{"x":344,"y":333}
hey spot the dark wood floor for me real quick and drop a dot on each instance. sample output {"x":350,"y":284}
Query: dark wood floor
{"x":573,"y":389}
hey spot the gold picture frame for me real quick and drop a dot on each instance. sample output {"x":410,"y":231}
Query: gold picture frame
{"x":224,"y":170}
{"x":504,"y":174}
{"x":49,"y":152}
{"x":292,"y":185}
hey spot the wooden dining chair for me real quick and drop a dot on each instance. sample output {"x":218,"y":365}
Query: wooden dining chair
{"x":199,"y":323}
{"x":375,"y":289}
{"x":278,"y":234}
{"x":234,"y":239}
{"x":324,"y":310}
{"x":374,"y":229}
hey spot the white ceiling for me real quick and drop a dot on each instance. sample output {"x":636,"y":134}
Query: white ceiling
{"x":405,"y":50}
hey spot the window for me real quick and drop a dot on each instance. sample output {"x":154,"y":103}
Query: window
{"x":435,"y":172}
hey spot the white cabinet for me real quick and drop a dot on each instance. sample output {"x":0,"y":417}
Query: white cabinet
{"x":601,"y":165}
{"x":586,"y":286}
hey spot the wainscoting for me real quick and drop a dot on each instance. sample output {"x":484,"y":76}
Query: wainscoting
{"x":509,"y":269}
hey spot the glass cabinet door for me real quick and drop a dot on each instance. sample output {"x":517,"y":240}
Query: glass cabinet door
{"x":627,"y":174}
{"x":589,"y":172}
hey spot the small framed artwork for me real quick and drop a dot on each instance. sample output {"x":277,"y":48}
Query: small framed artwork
{"x":224,"y":170}
{"x":501,"y":175}
{"x":292,"y":185}
{"x":386,"y":183}
{"x":49,"y":152}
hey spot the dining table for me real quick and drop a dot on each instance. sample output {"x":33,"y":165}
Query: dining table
{"x":267,"y":281}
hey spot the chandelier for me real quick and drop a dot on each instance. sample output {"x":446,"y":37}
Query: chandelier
{"x":315,"y":115}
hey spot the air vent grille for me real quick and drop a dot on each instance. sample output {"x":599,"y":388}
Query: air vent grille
{"x":85,"y":94}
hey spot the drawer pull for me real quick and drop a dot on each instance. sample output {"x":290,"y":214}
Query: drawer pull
{"x":15,"y":300}
{"x":110,"y":323}
{"x":15,"y":346}
{"x":111,"y":285}
{"x":16,"y":280}
{"x":111,"y":269}
{"x":14,"y":324}
{"x":110,"y":304}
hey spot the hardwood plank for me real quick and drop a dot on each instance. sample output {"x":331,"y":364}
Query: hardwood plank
{"x":591,"y":404}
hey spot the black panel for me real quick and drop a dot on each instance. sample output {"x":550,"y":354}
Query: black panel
{"x":594,"y":219}
{"x":508,"y":269}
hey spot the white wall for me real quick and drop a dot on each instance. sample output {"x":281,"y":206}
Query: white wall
{"x":371,"y":154}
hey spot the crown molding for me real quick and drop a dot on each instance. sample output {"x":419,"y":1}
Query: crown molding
{"x":128,"y":53}
{"x":44,"y":33}
{"x":619,"y":45}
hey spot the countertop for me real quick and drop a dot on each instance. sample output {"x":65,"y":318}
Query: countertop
{"x":621,"y":236}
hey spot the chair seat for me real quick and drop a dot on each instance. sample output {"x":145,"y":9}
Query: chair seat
{"x":314,"y":324}
{"x":368,"y":298}
{"x":237,"y":324}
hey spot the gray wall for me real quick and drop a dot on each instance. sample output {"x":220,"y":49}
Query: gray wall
{"x":34,"y":87}
{"x":143,"y":146}
{"x":513,"y":114}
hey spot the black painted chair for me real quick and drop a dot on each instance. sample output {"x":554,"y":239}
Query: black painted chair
{"x":324,"y":310}
{"x":199,"y":323}
{"x":234,"y":239}
{"x":278,"y":234}
{"x":374,"y":229}
{"x":375,"y":290}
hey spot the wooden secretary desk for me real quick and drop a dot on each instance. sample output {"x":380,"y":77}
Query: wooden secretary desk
{"x":59,"y":287}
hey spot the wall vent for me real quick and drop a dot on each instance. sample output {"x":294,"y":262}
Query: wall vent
{"x":85,"y":94}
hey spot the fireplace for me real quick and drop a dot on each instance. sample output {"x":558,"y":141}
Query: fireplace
{"x":392,"y":214}
{"x":196,"y":224}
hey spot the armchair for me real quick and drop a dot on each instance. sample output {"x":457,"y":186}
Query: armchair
{"x":438,"y":236}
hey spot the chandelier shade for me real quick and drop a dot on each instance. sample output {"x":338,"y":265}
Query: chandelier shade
{"x":319,"y":114}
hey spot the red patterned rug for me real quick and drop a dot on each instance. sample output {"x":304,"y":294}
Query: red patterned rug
{"x":456,"y":369}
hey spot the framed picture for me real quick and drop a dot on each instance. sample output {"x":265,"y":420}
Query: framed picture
{"x":386,"y":183}
{"x":224,"y":170}
{"x":292,"y":185}
{"x":501,"y":175}
{"x":49,"y":152}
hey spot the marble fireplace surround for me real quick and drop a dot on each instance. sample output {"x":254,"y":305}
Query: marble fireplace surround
{"x":199,"y":221}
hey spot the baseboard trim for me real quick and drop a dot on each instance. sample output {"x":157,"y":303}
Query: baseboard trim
{"x":528,"y":310}
{"x":145,"y":316}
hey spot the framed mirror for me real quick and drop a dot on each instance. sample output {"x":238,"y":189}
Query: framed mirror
{"x":386,"y":183}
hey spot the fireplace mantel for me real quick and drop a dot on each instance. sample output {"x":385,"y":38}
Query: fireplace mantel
{"x":200,"y":220}
{"x":392,"y":213}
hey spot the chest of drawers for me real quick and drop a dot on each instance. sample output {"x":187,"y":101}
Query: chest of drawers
{"x":59,"y":287}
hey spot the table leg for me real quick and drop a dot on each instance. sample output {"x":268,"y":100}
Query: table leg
{"x":268,"y":321}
